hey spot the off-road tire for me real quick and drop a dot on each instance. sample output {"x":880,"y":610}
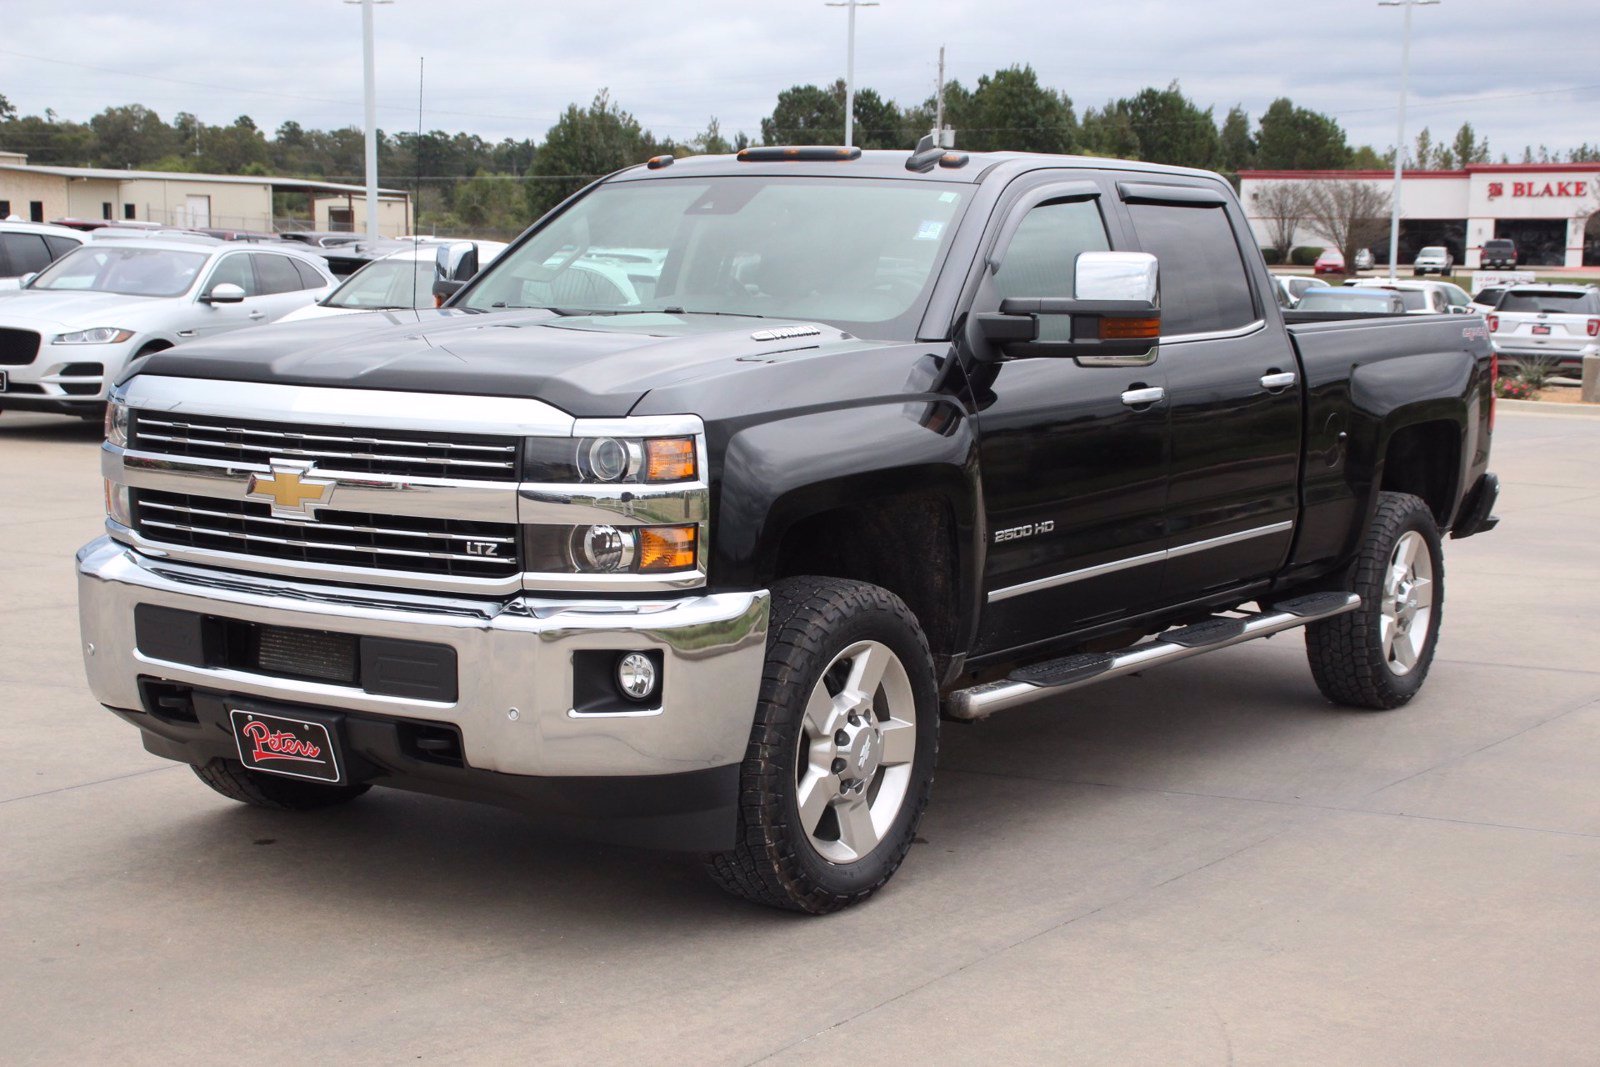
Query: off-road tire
{"x":774,"y":861}
{"x":1346,"y":652}
{"x":232,"y":779}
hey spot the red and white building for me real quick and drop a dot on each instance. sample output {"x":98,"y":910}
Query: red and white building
{"x":1551,"y":210}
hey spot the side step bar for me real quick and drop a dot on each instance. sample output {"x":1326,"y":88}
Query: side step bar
{"x":1041,"y":680}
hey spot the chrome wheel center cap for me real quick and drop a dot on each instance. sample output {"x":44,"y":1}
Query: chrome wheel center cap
{"x":861,"y":751}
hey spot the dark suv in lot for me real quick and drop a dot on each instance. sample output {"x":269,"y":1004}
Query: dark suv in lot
{"x":1499,"y":253}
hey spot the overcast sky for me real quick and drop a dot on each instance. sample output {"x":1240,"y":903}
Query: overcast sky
{"x":1521,"y":73}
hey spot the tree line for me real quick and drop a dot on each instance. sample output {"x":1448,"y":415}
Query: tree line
{"x":464,"y":183}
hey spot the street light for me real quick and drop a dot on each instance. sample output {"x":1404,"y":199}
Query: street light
{"x":850,"y":69}
{"x":372,"y":113}
{"x":1400,"y":129}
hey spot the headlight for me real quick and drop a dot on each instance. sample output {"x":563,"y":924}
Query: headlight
{"x":99,"y":335}
{"x":117,"y":422}
{"x":607,"y":549}
{"x":118,"y":508}
{"x":610,"y":460}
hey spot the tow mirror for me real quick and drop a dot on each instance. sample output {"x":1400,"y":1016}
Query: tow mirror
{"x":454,"y":265}
{"x":225,"y":293}
{"x":1113,"y":317}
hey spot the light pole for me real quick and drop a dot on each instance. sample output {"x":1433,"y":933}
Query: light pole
{"x":370,"y":85}
{"x":850,"y":69}
{"x":1400,"y":129}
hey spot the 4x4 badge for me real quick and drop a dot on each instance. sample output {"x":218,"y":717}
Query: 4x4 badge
{"x":291,"y":489}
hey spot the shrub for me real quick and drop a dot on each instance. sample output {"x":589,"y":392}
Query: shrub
{"x":1272,"y":256}
{"x":1535,"y":371}
{"x":1513,"y":389}
{"x":1304,"y":255}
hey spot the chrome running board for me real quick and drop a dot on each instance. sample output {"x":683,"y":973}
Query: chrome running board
{"x":1040,"y":680}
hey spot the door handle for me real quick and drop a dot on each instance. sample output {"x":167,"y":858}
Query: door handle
{"x":258,"y":314}
{"x":1277,"y":381}
{"x":185,"y":333}
{"x":1144,"y":396}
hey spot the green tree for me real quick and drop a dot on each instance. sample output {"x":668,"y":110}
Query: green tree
{"x":710,"y":142}
{"x":810,"y":114}
{"x":131,"y":136}
{"x":1170,"y":128}
{"x":1109,"y":133}
{"x":8,"y":110}
{"x":584,"y":144}
{"x":1467,"y":148}
{"x":1296,"y":138}
{"x":1236,"y":147}
{"x":1010,"y":111}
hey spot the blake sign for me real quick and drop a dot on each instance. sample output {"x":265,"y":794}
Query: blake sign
{"x":1534,"y":190}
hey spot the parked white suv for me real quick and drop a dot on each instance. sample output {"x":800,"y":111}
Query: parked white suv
{"x":403,"y":279}
{"x":69,"y":331}
{"x":29,"y":247}
{"x":1557,"y":324}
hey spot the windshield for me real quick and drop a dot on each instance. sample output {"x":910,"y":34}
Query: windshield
{"x":129,"y":271}
{"x":1552,"y":302}
{"x":851,"y":252}
{"x":1432,"y":252}
{"x":388,"y":283}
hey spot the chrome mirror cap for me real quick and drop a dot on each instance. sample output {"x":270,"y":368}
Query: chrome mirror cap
{"x":1116,"y":276}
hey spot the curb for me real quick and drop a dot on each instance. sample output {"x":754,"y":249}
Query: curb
{"x":1538,"y":407}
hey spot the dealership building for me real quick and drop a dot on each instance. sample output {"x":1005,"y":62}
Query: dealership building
{"x":1551,"y":210}
{"x":196,"y":201}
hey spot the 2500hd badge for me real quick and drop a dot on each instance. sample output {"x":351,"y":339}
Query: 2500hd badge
{"x":690,"y":519}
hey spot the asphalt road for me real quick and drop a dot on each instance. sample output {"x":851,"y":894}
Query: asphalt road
{"x":1204,"y":864}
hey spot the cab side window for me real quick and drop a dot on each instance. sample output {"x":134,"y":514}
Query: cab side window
{"x":1204,"y":287}
{"x":1043,"y":255}
{"x":235,"y":270}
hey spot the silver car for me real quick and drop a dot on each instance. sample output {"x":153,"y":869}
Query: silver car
{"x":69,"y":331}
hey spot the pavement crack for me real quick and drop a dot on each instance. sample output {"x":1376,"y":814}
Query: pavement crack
{"x":86,"y":785}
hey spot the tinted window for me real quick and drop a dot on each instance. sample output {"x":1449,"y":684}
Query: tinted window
{"x":277,"y":274}
{"x":1551,"y":302}
{"x":60,"y":246}
{"x":1203,"y":282}
{"x":236,"y":271}
{"x":27,"y":252}
{"x":1487,"y":296}
{"x":1042,"y":258}
{"x":309,"y":278}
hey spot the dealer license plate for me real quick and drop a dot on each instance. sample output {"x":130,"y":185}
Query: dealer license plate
{"x":298,"y":748}
{"x":1541,"y":329}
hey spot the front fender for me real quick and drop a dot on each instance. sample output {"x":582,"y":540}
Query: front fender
{"x":777,"y":473}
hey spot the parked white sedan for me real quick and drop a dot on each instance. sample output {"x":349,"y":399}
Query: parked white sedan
{"x":68,"y":332}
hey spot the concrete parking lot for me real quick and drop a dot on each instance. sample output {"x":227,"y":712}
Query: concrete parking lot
{"x":1203,"y":864}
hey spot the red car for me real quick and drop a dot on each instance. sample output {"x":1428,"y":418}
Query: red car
{"x":1330,"y":262}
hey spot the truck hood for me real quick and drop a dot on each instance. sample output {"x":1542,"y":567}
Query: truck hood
{"x":55,"y":309}
{"x":590,"y":366}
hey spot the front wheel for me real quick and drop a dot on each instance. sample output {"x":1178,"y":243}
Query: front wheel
{"x":840,"y":760}
{"x":236,"y":782}
{"x":1378,"y":655}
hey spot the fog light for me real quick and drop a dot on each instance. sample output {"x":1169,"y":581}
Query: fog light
{"x":636,"y":676}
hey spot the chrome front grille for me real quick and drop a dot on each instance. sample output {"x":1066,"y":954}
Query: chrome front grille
{"x":449,"y":548}
{"x":406,"y":453}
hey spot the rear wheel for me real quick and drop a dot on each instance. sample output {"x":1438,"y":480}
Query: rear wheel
{"x":1378,"y":655}
{"x":234,"y":781}
{"x":840,"y":761}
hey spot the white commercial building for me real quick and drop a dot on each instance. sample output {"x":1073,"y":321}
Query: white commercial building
{"x":192,"y":201}
{"x":1551,"y":210}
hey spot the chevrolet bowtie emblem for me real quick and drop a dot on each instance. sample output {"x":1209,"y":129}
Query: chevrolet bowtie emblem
{"x":291,"y":489}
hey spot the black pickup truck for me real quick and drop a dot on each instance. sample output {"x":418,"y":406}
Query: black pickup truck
{"x":687,"y":521}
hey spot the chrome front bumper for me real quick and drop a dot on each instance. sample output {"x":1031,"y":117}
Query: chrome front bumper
{"x":515,"y":703}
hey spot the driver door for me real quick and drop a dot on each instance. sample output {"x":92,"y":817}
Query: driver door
{"x":1074,"y":465}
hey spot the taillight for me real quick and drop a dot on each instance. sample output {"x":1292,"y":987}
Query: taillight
{"x":1494,"y":382}
{"x":1494,"y":322}
{"x":1594,"y":327}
